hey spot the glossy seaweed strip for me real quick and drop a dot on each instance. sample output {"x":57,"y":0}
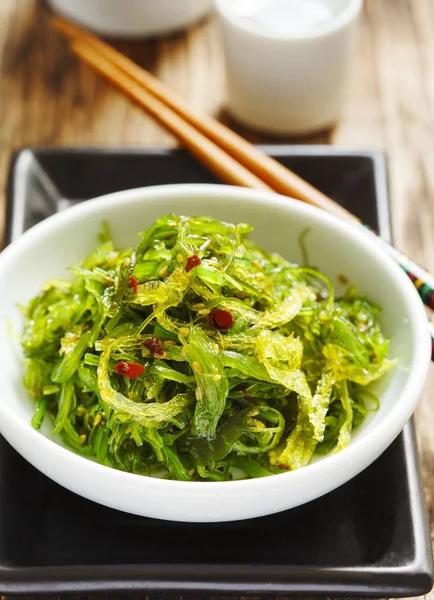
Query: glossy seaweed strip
{"x":199,"y":356}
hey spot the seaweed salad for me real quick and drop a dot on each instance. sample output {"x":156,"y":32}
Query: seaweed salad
{"x":199,"y":356}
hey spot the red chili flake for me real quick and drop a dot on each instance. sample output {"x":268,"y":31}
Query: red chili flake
{"x":154,"y":347}
{"x":128,"y":369}
{"x":192,"y":261}
{"x":284,"y":467}
{"x":221,"y":319}
{"x":133,"y":284}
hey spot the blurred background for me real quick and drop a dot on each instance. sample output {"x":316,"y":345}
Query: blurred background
{"x":48,"y":97}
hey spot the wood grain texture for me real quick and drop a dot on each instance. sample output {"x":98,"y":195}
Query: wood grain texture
{"x":47,"y":97}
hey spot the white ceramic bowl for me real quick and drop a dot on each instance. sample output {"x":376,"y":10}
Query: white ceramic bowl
{"x":334,"y":247}
{"x":133,"y":18}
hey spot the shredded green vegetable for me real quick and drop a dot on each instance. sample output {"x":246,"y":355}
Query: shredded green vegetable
{"x":199,"y":356}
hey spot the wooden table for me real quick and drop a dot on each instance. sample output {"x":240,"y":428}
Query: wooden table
{"x":48,"y":98}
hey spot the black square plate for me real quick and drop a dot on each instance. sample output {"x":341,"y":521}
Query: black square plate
{"x":368,"y":538}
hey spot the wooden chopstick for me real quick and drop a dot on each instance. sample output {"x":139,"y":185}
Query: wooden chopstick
{"x":204,"y":150}
{"x":265,"y":168}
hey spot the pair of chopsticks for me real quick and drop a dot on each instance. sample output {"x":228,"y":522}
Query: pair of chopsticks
{"x":226,"y":154}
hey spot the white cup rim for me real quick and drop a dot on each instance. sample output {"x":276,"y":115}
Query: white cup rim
{"x":345,"y":16}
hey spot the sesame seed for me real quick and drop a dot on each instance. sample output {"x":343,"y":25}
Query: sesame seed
{"x":197,"y":367}
{"x":255,"y":413}
{"x":184,"y":331}
{"x":81,"y":410}
{"x":179,"y":258}
{"x":198,"y":394}
{"x":83,"y":438}
{"x":97,"y":420}
{"x":217,"y":377}
{"x":272,"y":457}
{"x":164,"y":271}
{"x":191,"y":472}
{"x":257,"y":265}
{"x":204,"y":311}
{"x":169,"y":343}
{"x":198,"y":306}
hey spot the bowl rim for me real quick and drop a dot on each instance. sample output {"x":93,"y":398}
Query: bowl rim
{"x":344,"y":18}
{"x":380,"y":436}
{"x":131,"y":29}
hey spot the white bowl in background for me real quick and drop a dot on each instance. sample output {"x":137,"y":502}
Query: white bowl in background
{"x":335,"y":247}
{"x":133,"y":18}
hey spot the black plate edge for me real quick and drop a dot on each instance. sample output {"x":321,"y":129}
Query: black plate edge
{"x":402,"y":582}
{"x":31,"y":152}
{"x":10,"y":194}
{"x":394,"y":583}
{"x":423,"y":553}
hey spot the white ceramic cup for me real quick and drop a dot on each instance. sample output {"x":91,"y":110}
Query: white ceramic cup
{"x":133,"y":18}
{"x":284,"y":80}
